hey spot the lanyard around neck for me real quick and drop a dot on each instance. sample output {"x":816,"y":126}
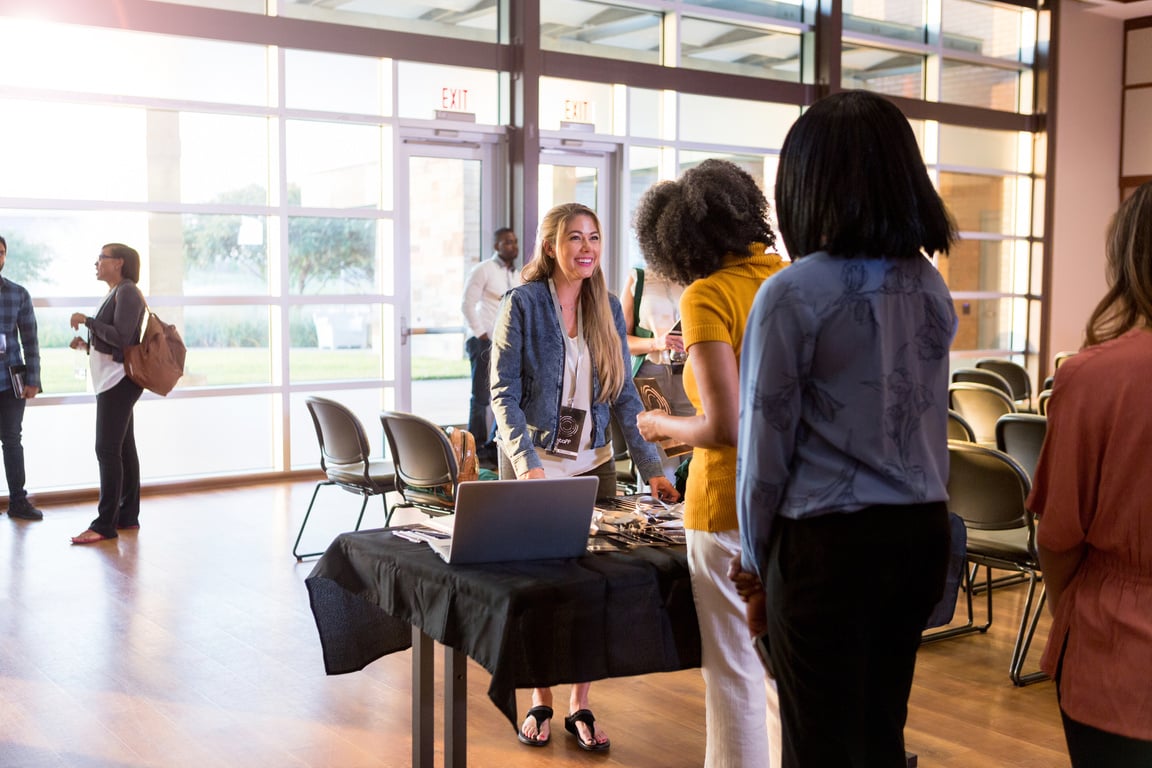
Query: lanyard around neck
{"x":564,"y":335}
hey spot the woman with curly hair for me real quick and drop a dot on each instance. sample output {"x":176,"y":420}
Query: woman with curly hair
{"x":843,"y":431}
{"x":558,"y":352}
{"x":1095,"y":535}
{"x":709,"y":231}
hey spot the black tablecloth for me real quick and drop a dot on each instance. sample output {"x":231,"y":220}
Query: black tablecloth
{"x":530,"y":624}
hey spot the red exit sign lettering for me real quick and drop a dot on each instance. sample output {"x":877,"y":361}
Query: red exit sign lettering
{"x":455,"y":99}
{"x":577,"y":111}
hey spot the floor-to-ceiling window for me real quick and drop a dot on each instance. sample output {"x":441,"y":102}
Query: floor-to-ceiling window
{"x":262,"y":156}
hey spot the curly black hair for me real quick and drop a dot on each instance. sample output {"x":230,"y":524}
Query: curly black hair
{"x":686,"y":227}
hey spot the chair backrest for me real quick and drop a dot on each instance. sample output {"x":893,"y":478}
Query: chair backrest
{"x":1042,"y":402}
{"x":1021,"y":436}
{"x":980,"y":405}
{"x":1015,"y":374}
{"x":988,"y":490}
{"x":959,"y":428}
{"x":1060,"y":358}
{"x":343,"y":443}
{"x":985,"y":377}
{"x":425,"y":461}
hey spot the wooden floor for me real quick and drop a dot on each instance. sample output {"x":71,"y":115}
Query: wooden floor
{"x":190,"y":643}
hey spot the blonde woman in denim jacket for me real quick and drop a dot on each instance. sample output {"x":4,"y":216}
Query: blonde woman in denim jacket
{"x":560,"y":368}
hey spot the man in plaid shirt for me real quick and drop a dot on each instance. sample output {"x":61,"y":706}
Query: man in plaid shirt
{"x":16,"y":318}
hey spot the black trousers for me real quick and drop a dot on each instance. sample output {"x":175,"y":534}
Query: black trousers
{"x":11,"y":430}
{"x":848,"y":597}
{"x":116,"y":454}
{"x":480,"y":356}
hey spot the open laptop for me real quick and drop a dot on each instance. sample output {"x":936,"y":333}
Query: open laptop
{"x":508,"y":520}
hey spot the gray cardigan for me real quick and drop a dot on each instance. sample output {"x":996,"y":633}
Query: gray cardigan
{"x":527,"y":377}
{"x":118,"y":321}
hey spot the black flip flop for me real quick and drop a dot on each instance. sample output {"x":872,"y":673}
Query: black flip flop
{"x":584,"y":716}
{"x":540,"y":714}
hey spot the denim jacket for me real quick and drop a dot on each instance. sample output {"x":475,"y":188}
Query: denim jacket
{"x":528,"y":376}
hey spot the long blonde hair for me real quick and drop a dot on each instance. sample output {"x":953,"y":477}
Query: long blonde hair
{"x":599,"y":328}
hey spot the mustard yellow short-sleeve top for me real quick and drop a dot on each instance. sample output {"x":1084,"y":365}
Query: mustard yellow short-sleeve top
{"x":715,"y":308}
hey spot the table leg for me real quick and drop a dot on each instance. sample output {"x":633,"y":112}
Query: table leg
{"x":455,"y":709}
{"x":422,"y":699}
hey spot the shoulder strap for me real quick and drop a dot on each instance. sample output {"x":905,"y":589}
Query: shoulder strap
{"x":636,"y":296}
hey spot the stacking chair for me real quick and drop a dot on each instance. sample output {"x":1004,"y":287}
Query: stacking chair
{"x":980,"y":405}
{"x":1015,"y":374}
{"x":344,"y":458}
{"x":983,"y":376}
{"x":1021,"y":436}
{"x":1042,"y":401}
{"x":959,"y":428}
{"x":426,"y":471}
{"x":1060,"y":358}
{"x":988,"y":489}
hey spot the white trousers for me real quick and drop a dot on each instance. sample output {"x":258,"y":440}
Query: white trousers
{"x":740,"y":703}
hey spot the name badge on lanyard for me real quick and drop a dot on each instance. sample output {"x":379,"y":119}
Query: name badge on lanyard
{"x":568,"y":436}
{"x":571,"y":422}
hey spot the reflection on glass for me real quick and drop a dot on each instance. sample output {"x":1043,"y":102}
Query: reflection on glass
{"x":989,"y":324}
{"x":893,"y":19}
{"x":595,"y":29}
{"x":976,"y":86}
{"x":245,"y":6}
{"x":1001,"y":31}
{"x":337,"y":82}
{"x":987,"y":266}
{"x":981,"y":203}
{"x":447,"y":18}
{"x":766,"y":8}
{"x":882,"y":71}
{"x":334,"y":165}
{"x":334,"y":342}
{"x":736,"y":50}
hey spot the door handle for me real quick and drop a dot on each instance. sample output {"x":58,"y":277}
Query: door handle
{"x":405,"y":331}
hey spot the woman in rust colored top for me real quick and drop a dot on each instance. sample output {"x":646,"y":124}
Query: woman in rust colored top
{"x":1091,"y":492}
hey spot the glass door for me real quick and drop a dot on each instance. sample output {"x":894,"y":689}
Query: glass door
{"x":449,"y":191}
{"x":587,"y":178}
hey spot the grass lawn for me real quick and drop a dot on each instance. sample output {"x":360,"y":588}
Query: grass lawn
{"x":63,"y":371}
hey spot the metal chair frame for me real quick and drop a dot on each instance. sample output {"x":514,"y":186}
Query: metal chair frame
{"x":1017,"y":376}
{"x":345,"y":459}
{"x":976,"y":472}
{"x":425,"y":463}
{"x":999,"y":401}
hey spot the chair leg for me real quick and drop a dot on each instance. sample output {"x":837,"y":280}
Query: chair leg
{"x":1028,"y":621}
{"x":970,"y":626}
{"x":303,"y":523}
{"x":387,"y":510}
{"x":363,"y":506}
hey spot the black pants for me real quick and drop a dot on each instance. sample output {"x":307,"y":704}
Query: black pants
{"x":11,"y":430}
{"x":116,"y":453}
{"x":848,"y":597}
{"x":479,"y":354}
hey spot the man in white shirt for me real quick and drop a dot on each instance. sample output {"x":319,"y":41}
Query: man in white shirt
{"x":486,"y":285}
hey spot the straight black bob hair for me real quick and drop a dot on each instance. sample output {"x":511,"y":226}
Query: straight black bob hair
{"x":851,"y":182}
